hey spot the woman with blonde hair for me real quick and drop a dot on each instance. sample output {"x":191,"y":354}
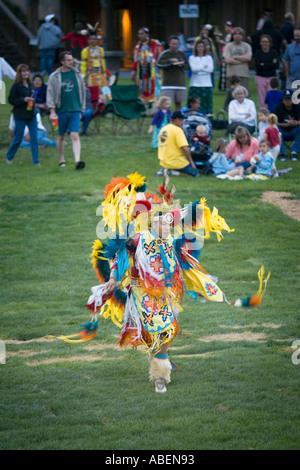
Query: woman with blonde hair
{"x":273,"y":137}
{"x":222,"y":167}
{"x":161,"y":118}
{"x":21,"y":97}
{"x":242,"y":148}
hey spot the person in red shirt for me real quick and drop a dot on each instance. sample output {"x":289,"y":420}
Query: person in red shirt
{"x":272,"y":135}
{"x":78,"y":39}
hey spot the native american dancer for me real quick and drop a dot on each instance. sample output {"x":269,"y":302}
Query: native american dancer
{"x":93,"y":66}
{"x":146,"y":266}
{"x":144,"y":70}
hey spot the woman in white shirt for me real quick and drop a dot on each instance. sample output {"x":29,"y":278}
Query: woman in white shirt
{"x":241,"y":111}
{"x":202,"y":66}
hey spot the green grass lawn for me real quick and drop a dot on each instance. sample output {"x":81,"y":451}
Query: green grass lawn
{"x":236,"y":388}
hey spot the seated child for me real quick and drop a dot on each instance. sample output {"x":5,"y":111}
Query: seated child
{"x":200,"y":136}
{"x":273,"y":96}
{"x":161,"y":118}
{"x":273,"y":137}
{"x":193,"y":106}
{"x":262,"y":115}
{"x":221,"y":165}
{"x":262,"y":164}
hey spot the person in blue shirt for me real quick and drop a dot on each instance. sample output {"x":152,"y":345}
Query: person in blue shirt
{"x":262,"y":164}
{"x":291,"y":60}
{"x":273,"y":96}
{"x":221,"y":165}
{"x":161,"y":118}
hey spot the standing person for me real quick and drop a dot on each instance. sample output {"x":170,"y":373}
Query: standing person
{"x":237,"y":55}
{"x":144,"y":69}
{"x":21,"y":97}
{"x":173,"y":149}
{"x":287,"y":31}
{"x":291,"y":60}
{"x":273,"y":137}
{"x":266,"y":63}
{"x":78,"y":39}
{"x":266,"y":16}
{"x":209,"y":45}
{"x":161,"y":118}
{"x":173,"y":64}
{"x":287,"y":28}
{"x":66,"y":100}
{"x":274,"y":95}
{"x":49,"y":35}
{"x":278,"y":41}
{"x":202,"y":66}
{"x":228,"y":27}
{"x":93,"y":66}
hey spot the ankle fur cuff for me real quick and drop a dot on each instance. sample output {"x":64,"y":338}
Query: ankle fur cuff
{"x":160,"y":368}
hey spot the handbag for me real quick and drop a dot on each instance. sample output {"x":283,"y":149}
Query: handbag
{"x":220,"y":122}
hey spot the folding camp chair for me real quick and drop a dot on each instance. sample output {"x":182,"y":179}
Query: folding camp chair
{"x":127,"y":109}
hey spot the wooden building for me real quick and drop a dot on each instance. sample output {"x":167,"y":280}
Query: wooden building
{"x":121,"y":19}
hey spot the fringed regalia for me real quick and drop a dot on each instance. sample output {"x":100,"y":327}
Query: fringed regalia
{"x":147,"y":73}
{"x":93,"y":68}
{"x":152,"y":272}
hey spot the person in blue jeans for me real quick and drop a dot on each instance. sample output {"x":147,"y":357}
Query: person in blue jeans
{"x":21,"y":98}
{"x":49,"y":35}
{"x":43,"y":139}
{"x":88,"y":113}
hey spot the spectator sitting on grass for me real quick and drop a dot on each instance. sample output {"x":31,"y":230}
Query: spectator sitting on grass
{"x":262,"y":164}
{"x":43,"y":139}
{"x":222,"y":167}
{"x":173,"y":149}
{"x":242,"y":148}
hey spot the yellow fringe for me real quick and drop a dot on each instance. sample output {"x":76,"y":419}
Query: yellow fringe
{"x":213,"y":222}
{"x":113,"y":310}
{"x":261,"y":289}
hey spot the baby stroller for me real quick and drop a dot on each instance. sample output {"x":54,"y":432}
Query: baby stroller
{"x":200,"y":152}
